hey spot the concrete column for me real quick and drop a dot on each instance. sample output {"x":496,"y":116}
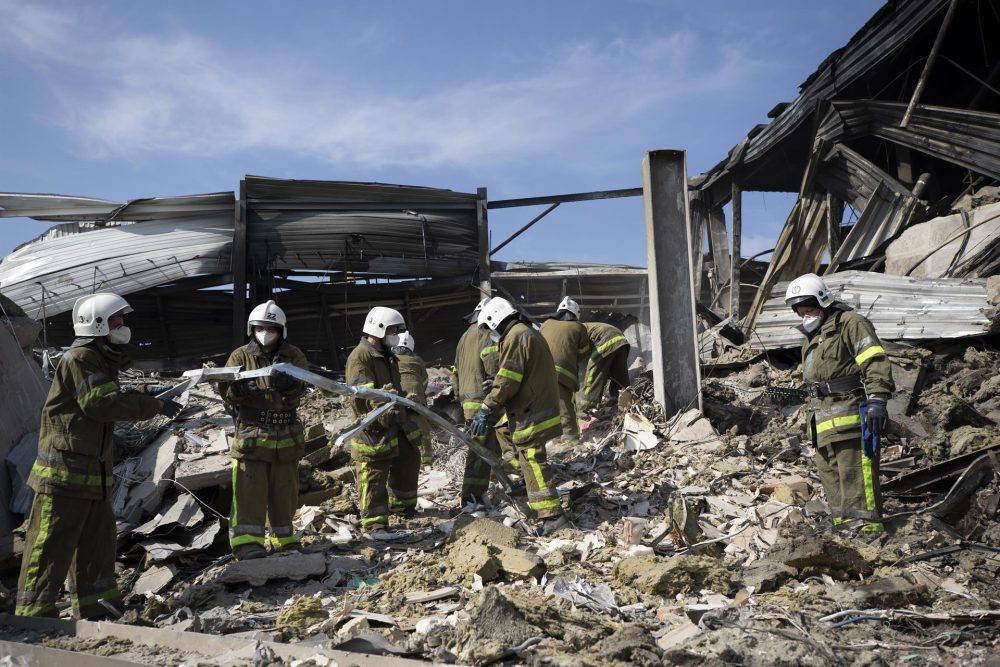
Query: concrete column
{"x":676,"y":371}
{"x":482,"y":221}
{"x":239,"y":269}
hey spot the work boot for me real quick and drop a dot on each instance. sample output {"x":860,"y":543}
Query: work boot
{"x":251,"y":554}
{"x":552,"y":524}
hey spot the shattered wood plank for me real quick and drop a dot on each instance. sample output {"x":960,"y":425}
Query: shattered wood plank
{"x":422,"y":597}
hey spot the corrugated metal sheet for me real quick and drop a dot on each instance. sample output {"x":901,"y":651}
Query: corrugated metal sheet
{"x":372,"y":228}
{"x":69,"y":208}
{"x":900,"y":308}
{"x":190,"y":236}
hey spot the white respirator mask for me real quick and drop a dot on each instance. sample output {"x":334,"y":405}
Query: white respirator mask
{"x":392,"y":340}
{"x":120,"y":336}
{"x":811,"y":322}
{"x":266,"y":338}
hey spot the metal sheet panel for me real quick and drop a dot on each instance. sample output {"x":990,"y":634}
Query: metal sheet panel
{"x":901,"y":308}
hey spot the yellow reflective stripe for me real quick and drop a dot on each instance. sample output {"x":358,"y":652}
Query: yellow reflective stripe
{"x":513,"y":375}
{"x":837,"y":422}
{"x":370,"y":385}
{"x":268,"y":443}
{"x":868,"y":354}
{"x":603,"y":347}
{"x":34,"y":609}
{"x":233,"y":513}
{"x":472,"y":405}
{"x":93,"y":394}
{"x":35,"y":565}
{"x":872,"y":528}
{"x":240,"y":540}
{"x":568,"y":373}
{"x":869,"y":477}
{"x":545,"y":504}
{"x":526,"y":433}
{"x":582,"y":350}
{"x":536,"y":470}
{"x":488,"y":350}
{"x":374,"y":449}
{"x":48,"y":472}
{"x":402,"y":502}
{"x":414,"y":436}
{"x":282,"y":541}
{"x":381,"y":518}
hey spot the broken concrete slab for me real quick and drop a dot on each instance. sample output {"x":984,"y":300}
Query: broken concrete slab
{"x":653,"y":575}
{"x":929,"y":249}
{"x":519,"y":564}
{"x":767,"y":575}
{"x":819,"y":553}
{"x":258,"y":572}
{"x":486,"y":531}
{"x":215,"y":470}
{"x":155,"y":469}
{"x":155,"y":579}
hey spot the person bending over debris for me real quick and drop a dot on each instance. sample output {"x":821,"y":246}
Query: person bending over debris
{"x":847,"y":373}
{"x":71,"y":528}
{"x":569,"y":343}
{"x":525,"y":390}
{"x":269,"y":437}
{"x":385,"y":453}
{"x":413,"y":381}
{"x":608,"y":365}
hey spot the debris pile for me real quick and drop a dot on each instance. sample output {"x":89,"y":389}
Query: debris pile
{"x":694,"y":539}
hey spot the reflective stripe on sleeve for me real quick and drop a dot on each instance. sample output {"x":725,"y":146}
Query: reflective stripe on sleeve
{"x":872,"y":351}
{"x":608,"y":344}
{"x":513,"y":375}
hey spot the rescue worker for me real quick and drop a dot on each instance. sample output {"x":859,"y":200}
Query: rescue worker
{"x":847,"y":373}
{"x":269,"y":438}
{"x":524,"y":391}
{"x":413,"y":381}
{"x":385,"y":453}
{"x":608,"y":365}
{"x":71,"y":527}
{"x":569,"y":343}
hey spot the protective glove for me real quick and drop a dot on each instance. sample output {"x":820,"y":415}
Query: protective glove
{"x":481,"y":422}
{"x":241,"y":388}
{"x":170,"y":408}
{"x":283,"y":382}
{"x":876,"y":417}
{"x":390,"y":416}
{"x":487,"y":385}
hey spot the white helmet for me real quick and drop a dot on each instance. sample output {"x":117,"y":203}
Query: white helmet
{"x":91,"y":313}
{"x":570,"y":305}
{"x":406,"y":340}
{"x":495,"y":312}
{"x":479,"y":306}
{"x":806,"y":287}
{"x":267,"y":315}
{"x":380,"y":318}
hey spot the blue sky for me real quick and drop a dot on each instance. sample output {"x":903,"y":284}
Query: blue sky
{"x":121,"y":100}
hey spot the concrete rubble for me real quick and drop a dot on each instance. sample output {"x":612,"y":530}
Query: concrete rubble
{"x":697,"y":549}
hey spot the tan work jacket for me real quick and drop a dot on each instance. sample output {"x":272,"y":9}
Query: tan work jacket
{"x":569,"y":344}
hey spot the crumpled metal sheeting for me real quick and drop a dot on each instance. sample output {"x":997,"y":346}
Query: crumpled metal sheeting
{"x":74,"y":209}
{"x":900,"y":308}
{"x":122,"y":259}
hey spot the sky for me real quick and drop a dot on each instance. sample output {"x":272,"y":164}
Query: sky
{"x":122,"y":99}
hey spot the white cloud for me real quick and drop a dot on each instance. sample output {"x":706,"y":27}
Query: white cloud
{"x":119,"y":96}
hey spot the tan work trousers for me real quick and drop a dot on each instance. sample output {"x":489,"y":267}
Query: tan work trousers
{"x":264,"y":494}
{"x":567,"y":412}
{"x":850,"y":480}
{"x":388,"y":484}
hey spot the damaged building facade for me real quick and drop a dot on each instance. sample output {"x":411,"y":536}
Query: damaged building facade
{"x":696,"y":531}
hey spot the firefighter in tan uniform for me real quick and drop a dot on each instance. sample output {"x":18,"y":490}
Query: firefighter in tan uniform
{"x":269,"y":437}
{"x":848,"y":375}
{"x":413,"y":381}
{"x":71,"y":528}
{"x":525,"y":391}
{"x":608,"y":365}
{"x":386,"y":455}
{"x":569,"y":343}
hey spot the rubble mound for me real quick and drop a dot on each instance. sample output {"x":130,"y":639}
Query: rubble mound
{"x":819,"y":554}
{"x":494,"y":625}
{"x":653,"y":575}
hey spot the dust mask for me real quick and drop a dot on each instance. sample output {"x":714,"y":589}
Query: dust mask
{"x":266,"y":338}
{"x":495,"y":336}
{"x":391,"y":341}
{"x":120,"y":336}
{"x":811,"y":322}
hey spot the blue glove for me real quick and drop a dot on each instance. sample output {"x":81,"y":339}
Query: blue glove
{"x":487,"y":385}
{"x":873,"y":418}
{"x":481,"y":422}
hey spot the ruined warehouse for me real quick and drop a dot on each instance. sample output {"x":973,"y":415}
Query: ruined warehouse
{"x":700,"y":530}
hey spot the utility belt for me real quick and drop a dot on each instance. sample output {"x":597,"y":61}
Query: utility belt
{"x":841,"y":385}
{"x":266,"y":417}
